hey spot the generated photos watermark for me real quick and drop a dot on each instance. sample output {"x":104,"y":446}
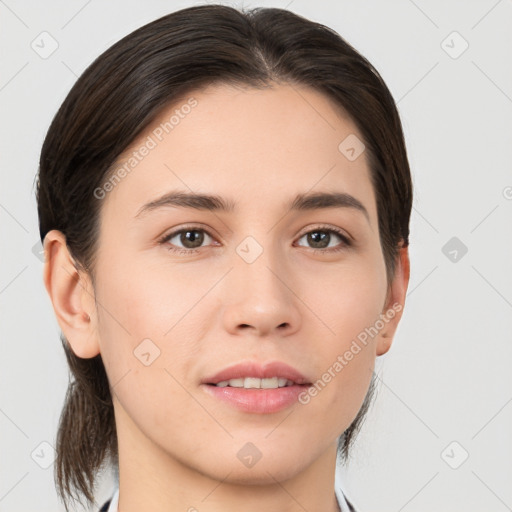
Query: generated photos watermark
{"x":151,"y":142}
{"x":343,"y":359}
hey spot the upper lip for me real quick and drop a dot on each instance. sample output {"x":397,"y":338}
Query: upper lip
{"x":260,"y":371}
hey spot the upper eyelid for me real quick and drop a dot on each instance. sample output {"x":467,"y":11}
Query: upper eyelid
{"x":175,"y":232}
{"x":325,"y":227}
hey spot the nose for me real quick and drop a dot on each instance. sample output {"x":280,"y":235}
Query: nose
{"x":260,"y":297}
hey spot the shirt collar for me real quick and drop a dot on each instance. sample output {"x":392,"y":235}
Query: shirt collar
{"x":340,"y":496}
{"x":114,"y":502}
{"x":342,"y":501}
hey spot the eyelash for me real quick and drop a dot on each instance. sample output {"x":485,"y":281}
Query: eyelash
{"x":345,"y":240}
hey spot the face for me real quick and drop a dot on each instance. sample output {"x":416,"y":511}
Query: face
{"x":186,"y":292}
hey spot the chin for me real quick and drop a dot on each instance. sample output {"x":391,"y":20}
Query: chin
{"x":248,"y":465}
{"x":260,"y":474}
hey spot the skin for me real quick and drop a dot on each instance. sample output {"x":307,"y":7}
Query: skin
{"x":208,"y":310}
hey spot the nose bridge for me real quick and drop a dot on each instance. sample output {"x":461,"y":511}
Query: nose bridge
{"x":259,"y":293}
{"x":257,"y":267}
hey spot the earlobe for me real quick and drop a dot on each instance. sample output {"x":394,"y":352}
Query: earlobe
{"x":71,"y":294}
{"x":395,"y":302}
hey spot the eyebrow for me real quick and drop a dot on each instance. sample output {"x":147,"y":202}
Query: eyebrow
{"x":301,"y":202}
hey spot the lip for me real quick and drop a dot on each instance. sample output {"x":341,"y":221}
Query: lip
{"x":253,"y":369}
{"x":259,"y":401}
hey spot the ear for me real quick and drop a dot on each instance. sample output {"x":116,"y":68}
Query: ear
{"x":72,"y":296}
{"x":395,"y":301}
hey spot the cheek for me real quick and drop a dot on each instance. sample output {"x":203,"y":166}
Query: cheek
{"x":148,"y":339}
{"x":349,"y":303}
{"x":149,"y":301}
{"x":350,"y":298}
{"x":147,"y":309}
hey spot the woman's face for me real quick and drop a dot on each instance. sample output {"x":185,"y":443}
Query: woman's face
{"x":260,"y":282}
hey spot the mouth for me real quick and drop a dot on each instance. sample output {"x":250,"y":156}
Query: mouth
{"x":254,"y":388}
{"x":251,"y":374}
{"x":257,"y":383}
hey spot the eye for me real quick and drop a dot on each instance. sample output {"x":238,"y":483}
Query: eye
{"x":191,"y":239}
{"x":321,"y":239}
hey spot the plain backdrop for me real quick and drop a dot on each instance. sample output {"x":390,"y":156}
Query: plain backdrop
{"x":438,"y":436}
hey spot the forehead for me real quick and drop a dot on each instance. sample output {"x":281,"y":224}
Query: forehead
{"x":250,"y":145}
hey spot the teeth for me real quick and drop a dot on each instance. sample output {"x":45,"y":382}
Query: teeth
{"x":282,"y":382}
{"x":255,"y":383}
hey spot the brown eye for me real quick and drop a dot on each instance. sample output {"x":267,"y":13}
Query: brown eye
{"x":185,"y":240}
{"x":320,"y":238}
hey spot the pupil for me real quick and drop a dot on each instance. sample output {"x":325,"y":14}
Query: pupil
{"x":323,"y":239}
{"x":188,"y":236}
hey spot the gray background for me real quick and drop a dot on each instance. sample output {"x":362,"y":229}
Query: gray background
{"x":445,"y":386}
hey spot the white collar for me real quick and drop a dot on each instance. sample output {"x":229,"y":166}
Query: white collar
{"x":340,"y":496}
{"x":115,"y":500}
{"x":342,"y":502}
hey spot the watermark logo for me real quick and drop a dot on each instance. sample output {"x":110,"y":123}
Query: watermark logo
{"x":454,"y":45}
{"x":146,"y":352}
{"x":44,"y":45}
{"x":249,"y":249}
{"x":249,"y":455}
{"x":43,"y":455}
{"x":38,"y":250}
{"x":454,"y":249}
{"x":454,"y":455}
{"x":351,"y":147}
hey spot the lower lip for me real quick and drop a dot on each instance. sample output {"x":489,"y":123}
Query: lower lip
{"x":262,"y":401}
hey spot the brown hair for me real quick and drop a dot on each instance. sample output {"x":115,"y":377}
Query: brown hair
{"x":124,"y":90}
